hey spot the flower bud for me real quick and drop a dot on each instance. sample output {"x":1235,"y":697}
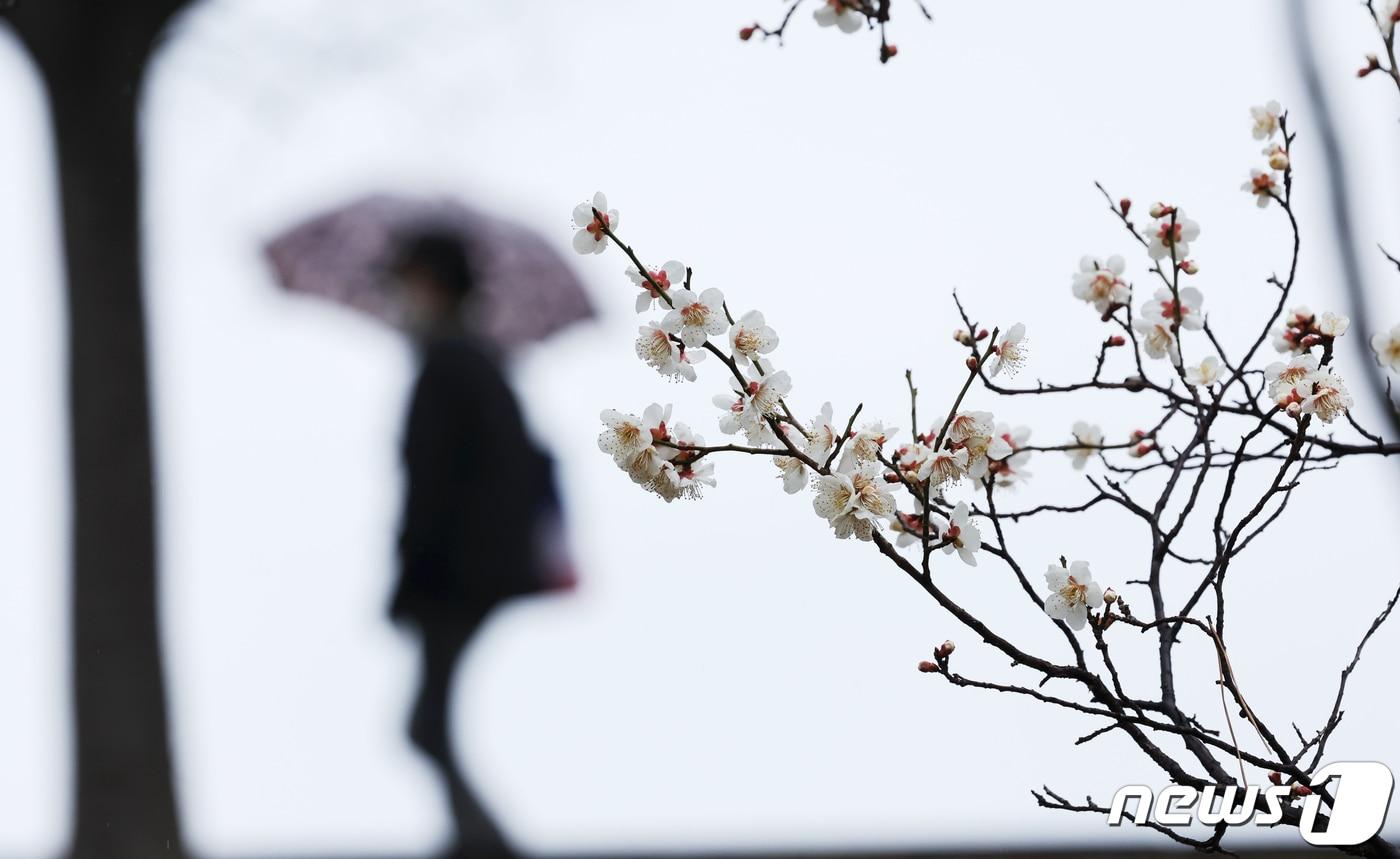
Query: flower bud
{"x":1143,"y":449}
{"x":945,"y":650}
{"x":746,"y":34}
{"x":1110,"y":596}
{"x":1138,"y":435}
{"x":888,"y":51}
{"x":928,"y":667}
{"x":1135,"y":383}
{"x":1124,"y":205}
{"x":891,"y":477}
{"x":1276,"y":777}
{"x":1278,"y":158}
{"x":1188,"y":266}
{"x":1310,"y":341}
{"x":1116,"y":340}
{"x":972,"y":363}
{"x":1160,"y":210}
{"x":1302,"y":790}
{"x":962,"y":337}
{"x":983,"y":334}
{"x":1294,"y":409}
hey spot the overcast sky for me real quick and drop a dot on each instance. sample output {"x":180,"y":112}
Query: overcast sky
{"x":728,"y":675}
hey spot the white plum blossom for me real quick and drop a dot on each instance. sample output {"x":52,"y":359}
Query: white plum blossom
{"x":750,"y":337}
{"x":854,"y":502}
{"x":1283,"y":378}
{"x":864,"y":445}
{"x":591,"y":238}
{"x":747,"y":409}
{"x":631,"y":441}
{"x":659,"y":351}
{"x":822,"y":437}
{"x":625,"y":436}
{"x":1073,"y":592}
{"x":943,"y":467}
{"x":839,"y":14}
{"x":1011,"y":351}
{"x":1171,"y":239}
{"x":1324,"y":394}
{"x":1101,"y":282}
{"x":793,"y":472}
{"x":1010,"y":470}
{"x":685,"y":474}
{"x":962,"y":536}
{"x":911,"y":457}
{"x":1089,"y":437}
{"x":1386,"y":345}
{"x":1158,"y":339}
{"x":1163,"y":308}
{"x":975,"y":432}
{"x":1263,"y":185}
{"x":1204,"y":374}
{"x":793,"y":469}
{"x":1265,"y":119}
{"x":695,"y":318}
{"x":670,"y":276}
{"x":1332,"y":324}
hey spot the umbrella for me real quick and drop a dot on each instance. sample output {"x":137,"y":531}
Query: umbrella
{"x":527,"y":291}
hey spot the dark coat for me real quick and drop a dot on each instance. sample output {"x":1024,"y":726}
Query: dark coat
{"x":476,"y":488}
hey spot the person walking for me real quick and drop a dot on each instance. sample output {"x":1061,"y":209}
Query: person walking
{"x":478,"y":494}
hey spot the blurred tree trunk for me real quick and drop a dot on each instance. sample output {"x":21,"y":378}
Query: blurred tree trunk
{"x":92,"y":57}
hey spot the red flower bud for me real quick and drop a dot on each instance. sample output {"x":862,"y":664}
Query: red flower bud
{"x":1302,"y":790}
{"x":887,"y":51}
{"x":972,"y":363}
{"x":928,"y":667}
{"x":746,"y":34}
{"x":983,"y":334}
{"x":945,"y":650}
{"x":1276,"y":777}
{"x":1124,"y":205}
{"x":1116,"y":340}
{"x":891,"y":477}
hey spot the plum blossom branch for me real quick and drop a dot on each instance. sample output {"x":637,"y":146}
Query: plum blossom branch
{"x":934,"y":495}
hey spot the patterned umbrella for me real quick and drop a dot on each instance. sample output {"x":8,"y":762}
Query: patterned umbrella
{"x":527,"y":290}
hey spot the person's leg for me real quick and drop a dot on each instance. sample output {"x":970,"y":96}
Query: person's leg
{"x":429,"y":729}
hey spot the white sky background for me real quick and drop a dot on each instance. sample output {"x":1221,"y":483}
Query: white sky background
{"x":729,"y":675}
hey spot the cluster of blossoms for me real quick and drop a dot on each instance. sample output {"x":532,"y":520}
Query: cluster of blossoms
{"x":664,"y":459}
{"x":852,"y":472}
{"x":1304,"y":385}
{"x":1265,"y":185}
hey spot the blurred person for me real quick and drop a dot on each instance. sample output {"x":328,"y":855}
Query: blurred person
{"x":479,"y":496}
